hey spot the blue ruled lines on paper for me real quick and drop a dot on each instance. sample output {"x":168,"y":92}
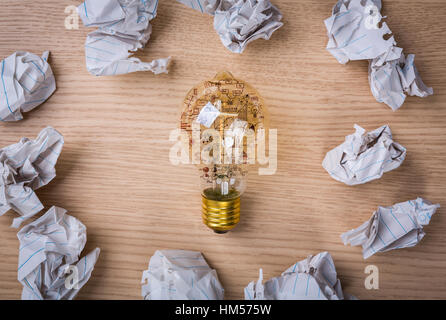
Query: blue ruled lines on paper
{"x":98,"y":49}
{"x":85,"y":8}
{"x":32,"y":255}
{"x":397,"y":220}
{"x":38,"y":68}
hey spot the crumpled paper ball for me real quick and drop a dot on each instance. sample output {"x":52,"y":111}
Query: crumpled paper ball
{"x":24,"y":167}
{"x":395,"y":227}
{"x":49,"y":265}
{"x":314,"y":278}
{"x":356,"y":32}
{"x":123,"y":28}
{"x":26,"y":82}
{"x":364,"y":156}
{"x":238,"y":22}
{"x":180,"y":275}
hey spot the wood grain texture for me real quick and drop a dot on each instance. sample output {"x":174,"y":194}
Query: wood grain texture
{"x":114,"y":173}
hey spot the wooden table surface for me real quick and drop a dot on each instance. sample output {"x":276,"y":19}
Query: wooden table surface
{"x":114,"y":173}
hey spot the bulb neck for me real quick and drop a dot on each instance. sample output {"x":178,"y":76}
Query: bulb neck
{"x":221,"y":216}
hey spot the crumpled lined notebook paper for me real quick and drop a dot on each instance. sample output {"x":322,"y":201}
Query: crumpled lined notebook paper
{"x":123,"y":28}
{"x":238,"y":22}
{"x":25,"y":167}
{"x":26,"y":82}
{"x":49,"y":265}
{"x":364,"y":157}
{"x":180,"y":275}
{"x":314,"y":278}
{"x":355,"y":33}
{"x":399,"y":226}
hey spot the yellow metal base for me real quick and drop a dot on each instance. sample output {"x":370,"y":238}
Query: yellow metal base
{"x":221,"y":216}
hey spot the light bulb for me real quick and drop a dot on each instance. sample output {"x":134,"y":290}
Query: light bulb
{"x":226,"y":147}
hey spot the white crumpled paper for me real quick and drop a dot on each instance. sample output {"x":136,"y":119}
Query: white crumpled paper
{"x":49,"y":266}
{"x":27,"y":81}
{"x":208,"y":114}
{"x":364,"y":157}
{"x":239,"y":22}
{"x":399,"y":226}
{"x":24,"y":167}
{"x":314,"y":278}
{"x":123,"y":27}
{"x":355,"y":34}
{"x":180,"y":275}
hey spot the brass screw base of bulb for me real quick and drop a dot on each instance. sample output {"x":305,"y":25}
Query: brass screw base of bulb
{"x":221,"y":216}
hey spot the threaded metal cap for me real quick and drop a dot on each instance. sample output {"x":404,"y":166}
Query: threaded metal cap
{"x":221,"y":216}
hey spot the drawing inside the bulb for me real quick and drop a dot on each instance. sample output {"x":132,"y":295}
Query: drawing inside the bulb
{"x":229,"y":113}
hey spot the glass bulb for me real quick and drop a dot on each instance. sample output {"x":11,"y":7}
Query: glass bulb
{"x":226,"y":147}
